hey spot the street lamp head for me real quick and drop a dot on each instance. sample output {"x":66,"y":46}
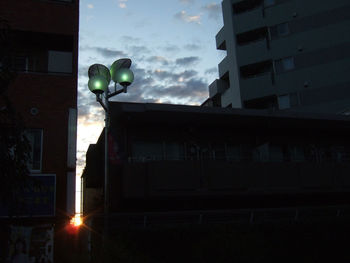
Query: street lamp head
{"x":123,"y":76}
{"x":99,"y":70}
{"x":98,"y":84}
{"x":123,"y":63}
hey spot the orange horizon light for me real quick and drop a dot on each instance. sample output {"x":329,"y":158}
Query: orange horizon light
{"x":76,"y":220}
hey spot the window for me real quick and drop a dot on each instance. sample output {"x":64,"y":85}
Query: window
{"x":174,"y":151}
{"x":268,"y":3}
{"x":276,"y":153}
{"x":233,"y":152}
{"x":261,"y":153}
{"x":296,"y":153}
{"x":280,"y":30}
{"x":288,"y":63}
{"x":283,"y":102}
{"x":147,"y":151}
{"x":34,"y":137}
{"x":219,"y":151}
{"x":285,"y":64}
{"x":294,"y":99}
{"x":60,"y":61}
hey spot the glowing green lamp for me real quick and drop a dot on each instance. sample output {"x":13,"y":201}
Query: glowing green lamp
{"x":98,"y":84}
{"x":99,"y":70}
{"x":123,"y":76}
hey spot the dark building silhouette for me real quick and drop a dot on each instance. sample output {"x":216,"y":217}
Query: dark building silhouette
{"x":43,"y":37}
{"x":189,"y":183}
{"x":167,"y":158}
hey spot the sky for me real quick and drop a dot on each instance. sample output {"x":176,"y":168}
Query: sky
{"x":172,"y":47}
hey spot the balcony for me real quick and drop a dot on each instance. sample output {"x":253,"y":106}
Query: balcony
{"x":257,"y":86}
{"x":217,"y":178}
{"x":220,"y":39}
{"x":223,"y":67}
{"x":249,"y":20}
{"x":217,"y":87}
{"x":252,"y":52}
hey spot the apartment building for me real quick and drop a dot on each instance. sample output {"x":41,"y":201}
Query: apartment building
{"x":43,"y":53}
{"x":284,"y":54}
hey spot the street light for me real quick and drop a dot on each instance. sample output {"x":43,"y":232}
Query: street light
{"x":99,"y":79}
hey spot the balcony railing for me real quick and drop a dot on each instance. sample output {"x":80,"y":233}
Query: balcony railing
{"x":237,"y":216}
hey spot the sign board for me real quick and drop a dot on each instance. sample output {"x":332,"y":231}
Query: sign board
{"x":36,"y":200}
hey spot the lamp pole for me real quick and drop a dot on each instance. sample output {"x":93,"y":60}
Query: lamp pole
{"x":106,"y":177}
{"x":99,"y":79}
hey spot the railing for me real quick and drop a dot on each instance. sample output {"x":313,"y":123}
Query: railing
{"x":239,"y":216}
{"x":343,"y":158}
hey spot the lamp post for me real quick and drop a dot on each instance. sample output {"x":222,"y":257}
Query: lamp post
{"x":99,"y":79}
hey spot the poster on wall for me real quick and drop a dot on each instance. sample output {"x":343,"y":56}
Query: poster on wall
{"x":30,"y":244}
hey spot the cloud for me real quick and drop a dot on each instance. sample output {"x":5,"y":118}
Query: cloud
{"x":173,"y":77}
{"x":122,"y":3}
{"x":158,"y":59}
{"x":193,"y":91}
{"x":138,"y":50}
{"x":183,"y":16}
{"x":186,"y":61}
{"x":130,"y":39}
{"x":187,"y":1}
{"x":151,"y":86}
{"x":213,"y":70}
{"x":83,"y":71}
{"x":170,"y":48}
{"x":90,"y":6}
{"x":213,"y":10}
{"x":108,"y":53}
{"x":105,"y":52}
{"x":192,"y":47}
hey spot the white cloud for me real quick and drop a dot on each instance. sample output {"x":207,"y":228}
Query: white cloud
{"x":187,"y":18}
{"x":213,"y":10}
{"x":90,"y":6}
{"x":122,"y":3}
{"x":187,"y":1}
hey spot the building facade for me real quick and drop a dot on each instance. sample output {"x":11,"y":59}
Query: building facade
{"x":284,"y":54}
{"x":43,"y":53}
{"x":191,"y":171}
{"x":211,"y":159}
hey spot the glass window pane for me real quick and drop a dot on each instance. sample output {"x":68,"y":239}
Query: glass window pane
{"x":60,"y":61}
{"x":288,"y":63}
{"x":283,"y":29}
{"x":34,"y":137}
{"x":233,"y":152}
{"x":174,"y":151}
{"x":276,"y":153}
{"x":147,"y":151}
{"x":283,"y":102}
